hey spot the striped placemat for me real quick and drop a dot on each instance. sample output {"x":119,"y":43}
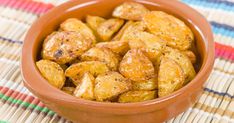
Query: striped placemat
{"x":17,"y":104}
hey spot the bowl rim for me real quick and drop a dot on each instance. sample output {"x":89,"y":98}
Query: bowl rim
{"x":28,"y":65}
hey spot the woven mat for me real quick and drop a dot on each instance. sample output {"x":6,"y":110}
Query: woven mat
{"x":17,"y":104}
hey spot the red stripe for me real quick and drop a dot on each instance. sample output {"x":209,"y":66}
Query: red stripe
{"x":20,"y":96}
{"x":224,"y":51}
{"x":27,"y":5}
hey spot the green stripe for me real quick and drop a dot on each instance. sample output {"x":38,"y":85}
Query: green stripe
{"x":25,"y":104}
{"x":1,"y":121}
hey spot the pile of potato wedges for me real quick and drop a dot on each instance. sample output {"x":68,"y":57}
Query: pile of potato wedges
{"x":136,"y":55}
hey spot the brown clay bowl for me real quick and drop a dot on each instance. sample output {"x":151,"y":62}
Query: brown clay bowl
{"x":84,"y":111}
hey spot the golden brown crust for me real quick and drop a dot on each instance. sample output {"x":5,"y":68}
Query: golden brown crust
{"x":94,"y":21}
{"x":76,"y":71}
{"x":130,"y":11}
{"x":184,"y":63}
{"x":52,"y":72}
{"x":170,"y":77}
{"x":107,"y":29}
{"x":110,"y":85}
{"x":147,"y":85}
{"x":190,"y":55}
{"x":85,"y":89}
{"x":170,"y":29}
{"x":136,"y":66}
{"x":73,"y":24}
{"x":151,"y":45}
{"x":119,"y":47}
{"x":136,"y":96}
{"x":65,"y":46}
{"x":102,"y":54}
{"x":119,"y":35}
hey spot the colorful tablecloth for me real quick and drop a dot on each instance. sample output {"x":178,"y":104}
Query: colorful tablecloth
{"x":17,"y":104}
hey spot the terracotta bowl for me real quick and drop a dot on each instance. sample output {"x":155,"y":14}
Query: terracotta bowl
{"x":84,"y":111}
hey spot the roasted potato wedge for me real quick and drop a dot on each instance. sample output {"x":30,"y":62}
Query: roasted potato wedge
{"x":170,"y":29}
{"x":76,"y":71}
{"x":102,"y":54}
{"x":86,"y":88}
{"x":170,"y":77}
{"x":68,"y":90}
{"x":151,"y":45}
{"x":190,"y":55}
{"x":73,"y":24}
{"x":184,"y":63}
{"x":63,"y":47}
{"x":137,"y":96}
{"x":94,"y":21}
{"x":147,"y":85}
{"x":131,"y":29}
{"x":136,"y":66}
{"x":106,"y":29}
{"x":119,"y":35}
{"x":110,"y":85}
{"x":130,"y":11}
{"x":119,"y":47}
{"x":52,"y":72}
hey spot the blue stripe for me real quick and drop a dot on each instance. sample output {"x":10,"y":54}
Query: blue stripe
{"x":219,"y":93}
{"x":222,"y":29}
{"x":228,"y":3}
{"x":10,"y":40}
{"x":217,"y":4}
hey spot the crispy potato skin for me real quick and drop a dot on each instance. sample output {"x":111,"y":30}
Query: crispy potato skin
{"x":106,"y":29}
{"x":131,"y":29}
{"x":170,"y":29}
{"x":52,"y":72}
{"x":94,"y":21}
{"x":151,"y":45}
{"x":184,"y":63}
{"x":137,"y":37}
{"x":110,"y":85}
{"x":73,"y":24}
{"x":170,"y":77}
{"x":147,"y":85}
{"x":119,"y":35}
{"x":130,"y":11}
{"x":68,"y":90}
{"x":76,"y":71}
{"x":86,"y":88}
{"x":136,"y":96}
{"x":136,"y":66}
{"x":102,"y":54}
{"x":63,"y":47}
{"x":119,"y":47}
{"x":190,"y":55}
